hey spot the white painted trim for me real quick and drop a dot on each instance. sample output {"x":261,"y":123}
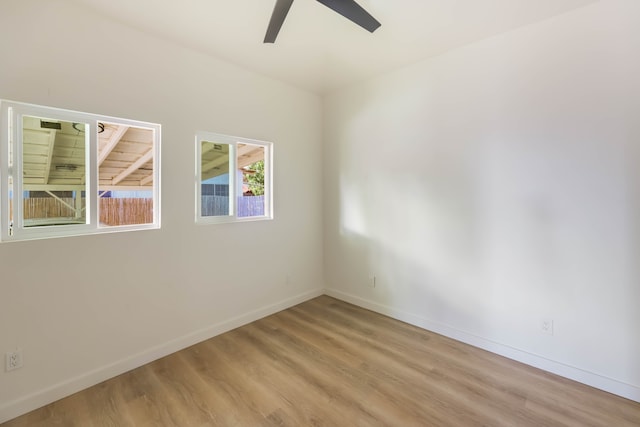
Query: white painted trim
{"x":592,"y":379}
{"x":41,"y":398}
{"x":234,"y":185}
{"x":12,"y":114}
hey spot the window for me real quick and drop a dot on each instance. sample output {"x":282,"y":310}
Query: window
{"x":69,"y":173}
{"x":233,"y":179}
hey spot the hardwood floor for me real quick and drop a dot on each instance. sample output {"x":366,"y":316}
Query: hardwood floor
{"x":329,"y":363}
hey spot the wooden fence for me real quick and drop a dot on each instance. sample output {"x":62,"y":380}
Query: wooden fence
{"x":116,"y":211}
{"x":113,"y":211}
{"x":250,"y":206}
{"x":48,"y":208}
{"x":219,"y":206}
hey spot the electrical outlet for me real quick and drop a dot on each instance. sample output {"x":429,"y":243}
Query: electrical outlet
{"x":547,"y":326}
{"x":13,"y":360}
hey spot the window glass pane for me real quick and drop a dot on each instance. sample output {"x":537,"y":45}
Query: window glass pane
{"x":54,"y":180}
{"x":70,"y":173}
{"x":11,"y":208}
{"x":10,"y":185}
{"x":126,"y":171}
{"x":251,"y":168}
{"x":215,"y":179}
{"x":234,"y":178}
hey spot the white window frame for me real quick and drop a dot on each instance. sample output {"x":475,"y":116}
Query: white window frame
{"x":232,"y":142}
{"x":11,"y":114}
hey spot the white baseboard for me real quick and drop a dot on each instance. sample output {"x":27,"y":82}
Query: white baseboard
{"x":38,"y":399}
{"x":609,"y":385}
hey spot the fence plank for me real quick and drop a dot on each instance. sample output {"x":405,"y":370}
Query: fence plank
{"x":250,"y":206}
{"x":113,"y":211}
{"x":219,"y":206}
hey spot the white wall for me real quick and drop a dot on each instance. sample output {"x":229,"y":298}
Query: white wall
{"x":85,"y":308}
{"x":496,"y":186}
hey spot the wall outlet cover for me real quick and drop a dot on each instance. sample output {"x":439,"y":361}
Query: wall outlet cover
{"x":13,"y":360}
{"x":546,"y":325}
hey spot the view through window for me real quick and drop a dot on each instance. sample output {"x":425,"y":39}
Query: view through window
{"x":234,"y":178}
{"x":76,"y":173}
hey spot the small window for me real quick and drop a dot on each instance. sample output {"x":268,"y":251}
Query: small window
{"x":70,"y":173}
{"x":233,"y":178}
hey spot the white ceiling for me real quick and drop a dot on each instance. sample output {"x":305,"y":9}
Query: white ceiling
{"x":318,"y":49}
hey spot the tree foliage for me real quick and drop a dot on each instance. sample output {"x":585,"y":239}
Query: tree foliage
{"x":255,"y":180}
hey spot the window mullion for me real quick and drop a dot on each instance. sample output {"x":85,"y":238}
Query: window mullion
{"x":91,"y":173}
{"x":198,"y":179}
{"x":233,"y":177}
{"x":17,"y":174}
{"x":268,"y":185}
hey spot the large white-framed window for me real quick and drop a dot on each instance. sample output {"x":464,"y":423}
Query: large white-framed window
{"x":233,"y":178}
{"x":67,"y":173}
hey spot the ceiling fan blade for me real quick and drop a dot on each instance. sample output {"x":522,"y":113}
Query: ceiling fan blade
{"x":354,"y":12}
{"x":280,"y":12}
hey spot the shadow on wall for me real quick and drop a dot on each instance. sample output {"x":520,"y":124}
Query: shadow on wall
{"x":493,"y":244}
{"x":390,"y":252}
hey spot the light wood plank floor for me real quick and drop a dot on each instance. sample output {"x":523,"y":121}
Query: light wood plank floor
{"x":329,"y":363}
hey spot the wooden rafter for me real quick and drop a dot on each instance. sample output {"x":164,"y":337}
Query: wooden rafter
{"x":52,"y":143}
{"x":62,"y":201}
{"x":115,"y":138}
{"x":53,"y":187}
{"x":147,"y":180}
{"x":134,"y":167}
{"x":208,"y":147}
{"x":211,"y":165}
{"x":109,"y":187}
{"x":249,"y":154}
{"x":245,"y":148}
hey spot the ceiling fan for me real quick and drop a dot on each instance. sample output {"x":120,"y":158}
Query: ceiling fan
{"x":347,"y":8}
